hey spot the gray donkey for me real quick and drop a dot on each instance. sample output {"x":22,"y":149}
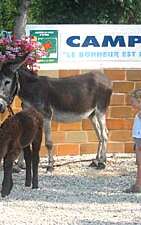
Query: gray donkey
{"x":66,"y":99}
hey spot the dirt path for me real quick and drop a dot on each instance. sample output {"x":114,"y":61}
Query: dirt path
{"x":75,"y":195}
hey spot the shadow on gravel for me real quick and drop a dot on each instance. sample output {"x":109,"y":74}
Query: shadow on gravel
{"x":99,"y":222}
{"x":75,"y":189}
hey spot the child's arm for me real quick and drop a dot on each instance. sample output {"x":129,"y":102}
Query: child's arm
{"x":139,"y":114}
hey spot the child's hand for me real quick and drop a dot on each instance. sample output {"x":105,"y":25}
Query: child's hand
{"x":139,"y":115}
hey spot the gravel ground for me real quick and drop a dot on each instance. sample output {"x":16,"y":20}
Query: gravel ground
{"x":75,"y":194}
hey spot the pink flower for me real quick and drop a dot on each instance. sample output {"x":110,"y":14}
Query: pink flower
{"x":11,"y":56}
{"x":18,"y":42}
{"x":2,"y":58}
{"x":10,"y":48}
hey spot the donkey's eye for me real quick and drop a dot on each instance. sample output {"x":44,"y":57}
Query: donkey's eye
{"x":7,"y":82}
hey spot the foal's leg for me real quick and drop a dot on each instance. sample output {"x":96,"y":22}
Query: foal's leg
{"x":48,"y":143}
{"x":99,"y":123}
{"x":27,"y":157}
{"x":20,"y":163}
{"x":7,"y":182}
{"x":35,"y":157}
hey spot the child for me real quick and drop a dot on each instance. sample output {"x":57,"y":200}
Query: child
{"x":136,"y":134}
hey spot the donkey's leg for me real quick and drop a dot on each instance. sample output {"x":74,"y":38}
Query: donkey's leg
{"x":27,"y":157}
{"x":7,"y":182}
{"x":35,"y":157}
{"x":101,"y":153}
{"x":48,"y":143}
{"x":98,"y":121}
{"x":20,"y":162}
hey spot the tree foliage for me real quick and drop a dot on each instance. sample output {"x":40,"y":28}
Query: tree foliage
{"x":73,"y":12}
{"x":8,"y":13}
{"x":85,"y":11}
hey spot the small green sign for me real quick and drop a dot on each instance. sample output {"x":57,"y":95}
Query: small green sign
{"x":49,"y":40}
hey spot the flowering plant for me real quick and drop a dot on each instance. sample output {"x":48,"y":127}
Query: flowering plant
{"x":10,"y":48}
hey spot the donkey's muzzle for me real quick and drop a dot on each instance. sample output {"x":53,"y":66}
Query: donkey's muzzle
{"x":3,"y":106}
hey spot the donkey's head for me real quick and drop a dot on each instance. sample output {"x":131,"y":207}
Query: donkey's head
{"x":9,"y":81}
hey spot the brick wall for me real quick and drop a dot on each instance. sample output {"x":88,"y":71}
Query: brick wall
{"x":79,"y":138}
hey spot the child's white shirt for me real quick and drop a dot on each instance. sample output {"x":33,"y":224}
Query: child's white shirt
{"x":136,"y":130}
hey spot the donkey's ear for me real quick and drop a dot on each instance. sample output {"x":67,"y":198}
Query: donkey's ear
{"x":18,"y":62}
{"x":1,"y":65}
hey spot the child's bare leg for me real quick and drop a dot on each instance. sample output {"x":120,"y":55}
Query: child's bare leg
{"x":136,"y":188}
{"x":138,"y":161}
